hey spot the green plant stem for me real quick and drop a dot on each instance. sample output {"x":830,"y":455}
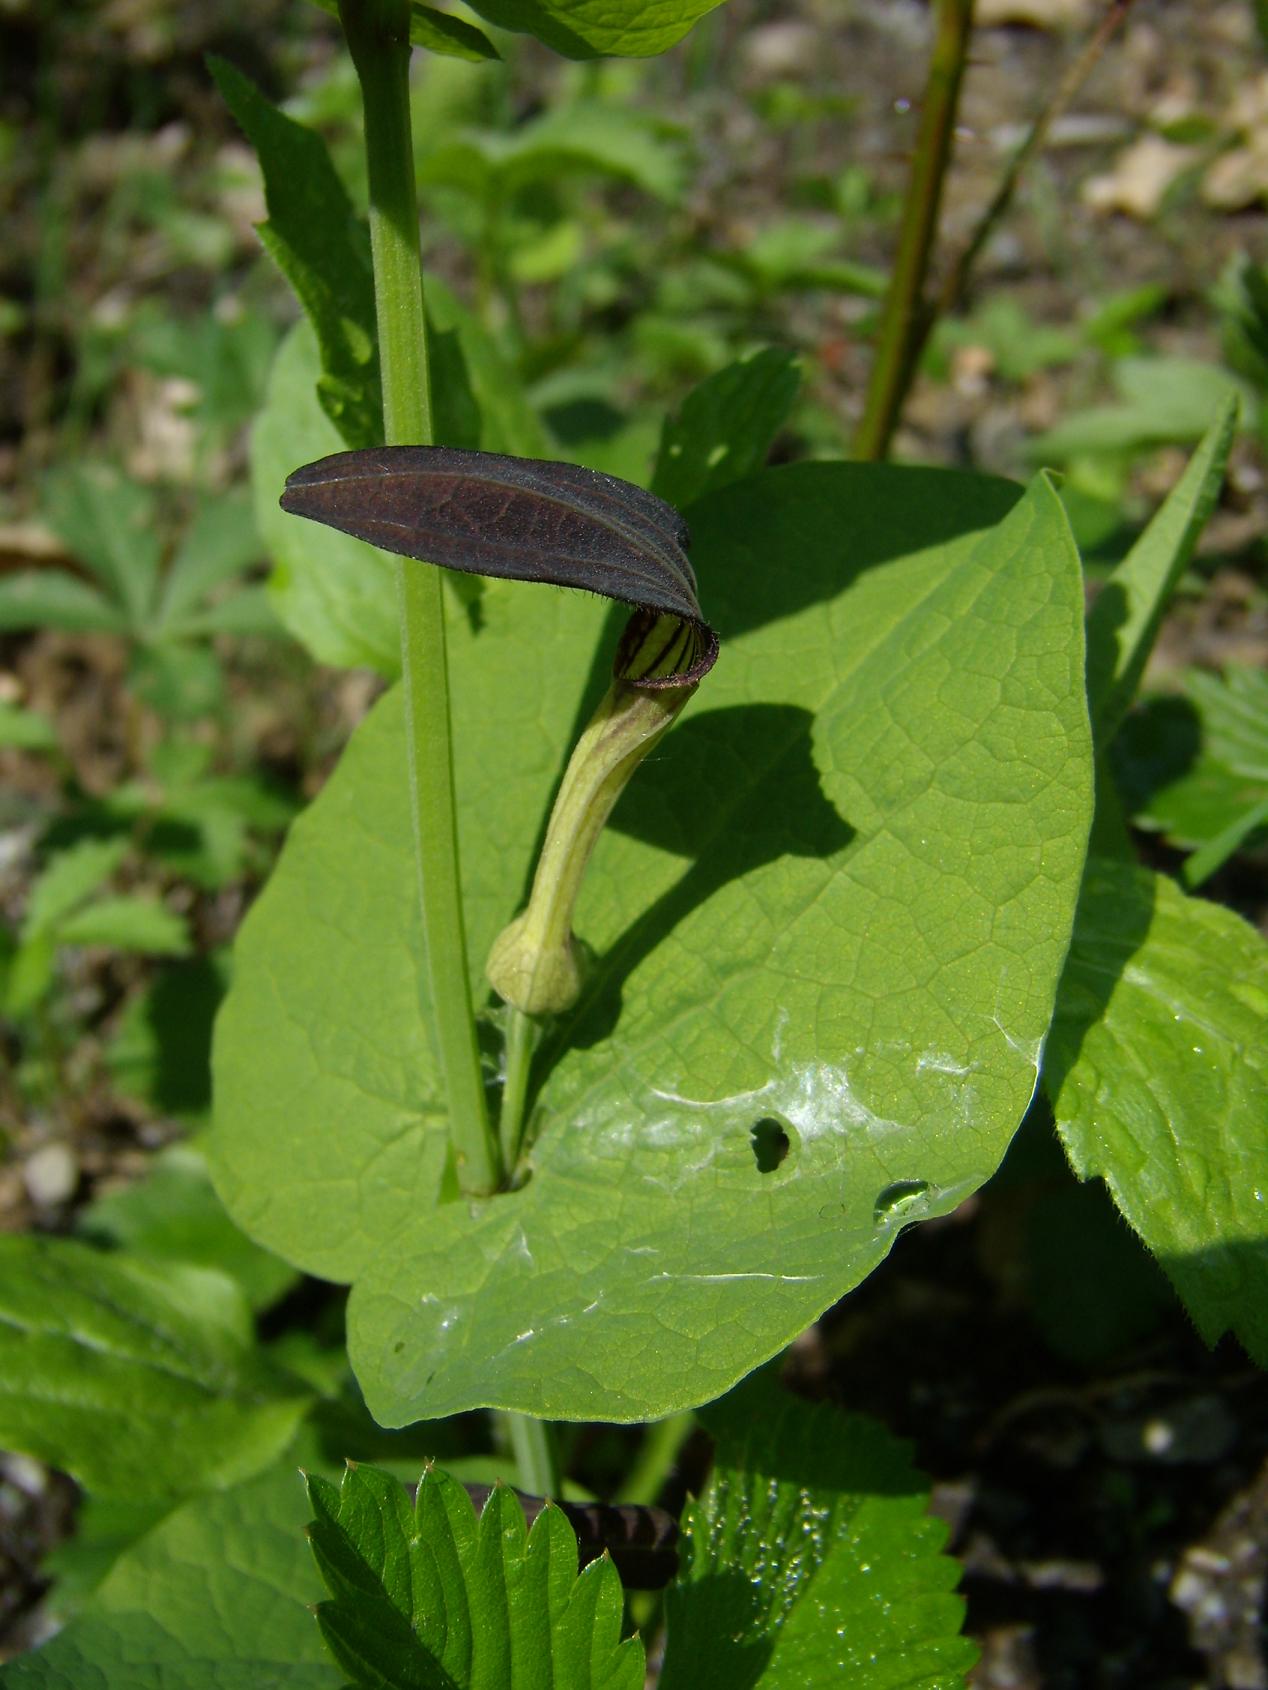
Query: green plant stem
{"x":536,"y":1457}
{"x":904,"y":317}
{"x":521,"y":1040}
{"x":657,"y":1458}
{"x":378,"y":36}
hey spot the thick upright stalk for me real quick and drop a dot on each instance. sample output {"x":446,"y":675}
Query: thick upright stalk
{"x":902,"y":328}
{"x":378,"y":36}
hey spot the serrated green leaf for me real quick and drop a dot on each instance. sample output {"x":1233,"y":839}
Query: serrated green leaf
{"x":840,"y":897}
{"x":1157,"y":1067}
{"x":589,"y":29}
{"x":50,"y":598}
{"x":425,"y":1595}
{"x":174,"y":1215}
{"x":320,"y":245}
{"x":1194,"y":764}
{"x":139,"y":1379}
{"x":1234,"y":715}
{"x":811,"y":1559}
{"x":726,"y":426}
{"x":217,"y":1594}
{"x":1167,"y":781}
{"x":127,"y":924}
{"x":107,"y":522}
{"x":1124,"y":621}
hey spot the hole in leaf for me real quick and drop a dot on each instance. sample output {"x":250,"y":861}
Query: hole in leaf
{"x":771,"y":1143}
{"x":895,"y":1204}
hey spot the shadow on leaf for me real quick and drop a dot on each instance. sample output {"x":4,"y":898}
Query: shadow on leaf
{"x":736,"y":789}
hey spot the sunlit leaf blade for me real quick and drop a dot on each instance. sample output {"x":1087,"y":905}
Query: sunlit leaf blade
{"x":426,"y":1594}
{"x":1125,"y":619}
{"x":1157,"y":1067}
{"x":140,"y":1379}
{"x":839,"y":897}
{"x":725,"y":427}
{"x":587,"y":29}
{"x":218,"y":1594}
{"x":441,"y":32}
{"x":321,"y":248}
{"x":811,"y":1559}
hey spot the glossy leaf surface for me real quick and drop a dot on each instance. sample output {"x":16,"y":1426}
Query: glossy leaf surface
{"x":838,"y":899}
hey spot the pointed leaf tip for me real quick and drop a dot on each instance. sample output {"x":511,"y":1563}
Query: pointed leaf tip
{"x":519,"y":519}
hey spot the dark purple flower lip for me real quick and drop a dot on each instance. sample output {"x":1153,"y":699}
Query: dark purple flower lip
{"x":518,"y":519}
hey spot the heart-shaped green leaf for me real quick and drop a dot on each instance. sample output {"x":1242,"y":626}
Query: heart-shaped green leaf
{"x":831,"y":912}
